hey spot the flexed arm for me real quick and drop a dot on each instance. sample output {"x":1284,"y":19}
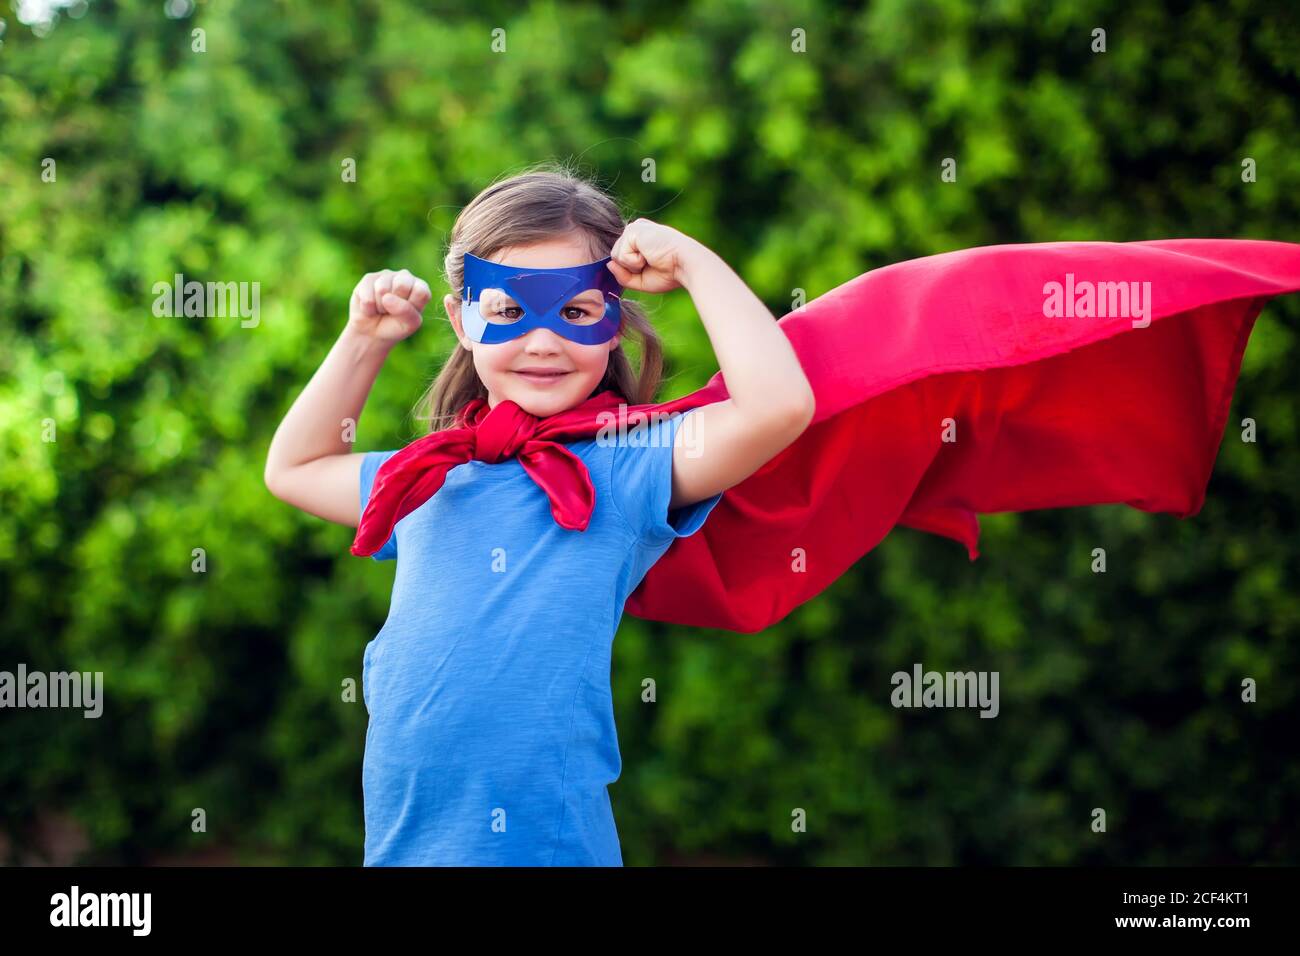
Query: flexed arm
{"x":309,"y":464}
{"x":771,"y":401}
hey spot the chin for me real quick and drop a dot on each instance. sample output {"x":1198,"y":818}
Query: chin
{"x":544,"y":405}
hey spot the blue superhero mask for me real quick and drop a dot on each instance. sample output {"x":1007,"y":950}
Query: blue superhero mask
{"x":502,"y":302}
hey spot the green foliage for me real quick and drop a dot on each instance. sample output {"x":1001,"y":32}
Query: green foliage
{"x":1119,"y":691}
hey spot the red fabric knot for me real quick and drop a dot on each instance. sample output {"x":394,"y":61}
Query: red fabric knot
{"x":499,"y":433}
{"x":414,"y":474}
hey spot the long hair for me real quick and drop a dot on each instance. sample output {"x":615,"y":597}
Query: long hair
{"x":545,"y":202}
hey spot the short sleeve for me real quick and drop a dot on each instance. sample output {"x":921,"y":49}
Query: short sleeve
{"x":369,"y":466}
{"x":642,"y":482}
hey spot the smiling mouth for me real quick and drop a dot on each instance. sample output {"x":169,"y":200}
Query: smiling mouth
{"x":542,"y":376}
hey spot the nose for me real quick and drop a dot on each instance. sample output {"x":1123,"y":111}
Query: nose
{"x":542,"y":341}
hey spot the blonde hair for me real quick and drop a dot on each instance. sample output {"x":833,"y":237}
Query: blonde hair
{"x":545,"y":202}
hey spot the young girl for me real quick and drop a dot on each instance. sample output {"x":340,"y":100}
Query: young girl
{"x":990,"y":379}
{"x":491,"y":738}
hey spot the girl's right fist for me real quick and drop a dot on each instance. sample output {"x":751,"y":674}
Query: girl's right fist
{"x":387,"y":305}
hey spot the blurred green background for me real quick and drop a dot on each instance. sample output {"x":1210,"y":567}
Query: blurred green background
{"x":1119,"y":691}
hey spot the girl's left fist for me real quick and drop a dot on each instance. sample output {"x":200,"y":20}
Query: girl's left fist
{"x":648,"y":256}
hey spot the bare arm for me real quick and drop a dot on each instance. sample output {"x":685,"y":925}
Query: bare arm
{"x":770,"y":401}
{"x":310,"y":464}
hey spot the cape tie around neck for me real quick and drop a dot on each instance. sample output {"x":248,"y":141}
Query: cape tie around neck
{"x":414,"y":474}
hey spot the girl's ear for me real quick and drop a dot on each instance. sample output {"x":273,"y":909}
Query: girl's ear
{"x":452,"y":305}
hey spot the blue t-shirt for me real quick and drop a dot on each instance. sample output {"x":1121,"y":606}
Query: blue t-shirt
{"x":491,"y":738}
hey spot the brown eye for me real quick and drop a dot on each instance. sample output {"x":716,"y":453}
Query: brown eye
{"x":586,"y":308}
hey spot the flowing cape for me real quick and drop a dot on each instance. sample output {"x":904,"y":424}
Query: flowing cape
{"x":991,"y":379}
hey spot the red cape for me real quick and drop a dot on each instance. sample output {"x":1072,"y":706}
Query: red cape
{"x":1048,"y":412}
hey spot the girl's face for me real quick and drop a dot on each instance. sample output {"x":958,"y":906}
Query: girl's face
{"x":504,"y":367}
